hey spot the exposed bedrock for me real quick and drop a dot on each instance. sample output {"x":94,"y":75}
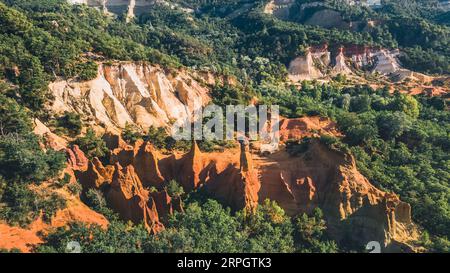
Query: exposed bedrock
{"x":319,"y":178}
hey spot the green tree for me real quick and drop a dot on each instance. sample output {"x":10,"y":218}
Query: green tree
{"x":406,"y":104}
{"x":393,"y":125}
{"x":310,"y":234}
{"x":69,"y":123}
{"x":92,"y":145}
{"x":269,"y":229}
{"x":174,"y":189}
{"x":202,"y":228}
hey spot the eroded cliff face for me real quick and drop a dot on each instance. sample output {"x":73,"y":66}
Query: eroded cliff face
{"x":355,"y":210}
{"x":75,"y":211}
{"x":359,"y":64}
{"x":320,"y":178}
{"x":134,"y":183}
{"x":131,"y":93}
{"x":134,"y":179}
{"x":321,"y":61}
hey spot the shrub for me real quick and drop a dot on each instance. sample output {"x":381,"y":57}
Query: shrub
{"x":174,"y":189}
{"x":95,"y":199}
{"x":92,"y":145}
{"x":131,"y":134}
{"x":69,"y":123}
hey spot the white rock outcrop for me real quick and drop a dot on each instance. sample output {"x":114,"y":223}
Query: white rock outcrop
{"x":316,"y":64}
{"x":340,"y":66}
{"x":304,"y":68}
{"x":139,"y":94}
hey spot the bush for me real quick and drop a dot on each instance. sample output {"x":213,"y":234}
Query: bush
{"x":269,"y":230}
{"x":69,"y":124}
{"x":24,"y":205}
{"x":92,"y":145}
{"x":310,"y":234}
{"x":87,"y":71}
{"x":158,"y":137}
{"x":75,"y":188}
{"x":174,"y":189}
{"x":14,"y":118}
{"x":60,"y":183}
{"x":95,"y":200}
{"x":131,"y":134}
{"x":22,"y":159}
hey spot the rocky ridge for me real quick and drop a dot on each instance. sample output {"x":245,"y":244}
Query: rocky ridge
{"x":323,"y":62}
{"x":321,"y":177}
{"x":132,"y":93}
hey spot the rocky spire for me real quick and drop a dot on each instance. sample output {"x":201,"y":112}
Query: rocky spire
{"x":191,"y":166}
{"x":245,"y":158}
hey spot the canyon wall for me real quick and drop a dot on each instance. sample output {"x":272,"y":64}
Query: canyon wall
{"x":134,"y":185}
{"x":321,"y":62}
{"x":131,"y":93}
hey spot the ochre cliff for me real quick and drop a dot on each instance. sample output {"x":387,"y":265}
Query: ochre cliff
{"x":75,"y":210}
{"x":329,"y":179}
{"x":131,"y":93}
{"x":319,"y":178}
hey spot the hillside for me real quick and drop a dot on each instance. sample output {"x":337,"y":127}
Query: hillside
{"x":90,"y":89}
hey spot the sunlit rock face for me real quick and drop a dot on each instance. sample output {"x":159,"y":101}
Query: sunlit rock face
{"x":322,"y":61}
{"x":321,"y":177}
{"x":131,"y":93}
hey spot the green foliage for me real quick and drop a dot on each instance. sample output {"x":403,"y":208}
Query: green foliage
{"x":400,"y":143}
{"x":40,"y":40}
{"x":392,"y":125}
{"x":310,"y":236}
{"x":13,"y":117}
{"x":23,"y":162}
{"x":406,"y":104}
{"x":92,"y":145}
{"x":22,"y":205}
{"x":158,"y":137}
{"x":229,"y":95}
{"x":95,"y":200}
{"x":22,"y":159}
{"x":75,"y":188}
{"x":87,"y":70}
{"x":64,"y":181}
{"x":204,"y":227}
{"x":425,"y":60}
{"x":174,"y":189}
{"x":201,"y":228}
{"x":69,"y":124}
{"x":269,"y":230}
{"x":119,"y":237}
{"x":162,"y":140}
{"x":131,"y":134}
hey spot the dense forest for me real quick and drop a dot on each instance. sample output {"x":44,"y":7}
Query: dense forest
{"x":401,"y":142}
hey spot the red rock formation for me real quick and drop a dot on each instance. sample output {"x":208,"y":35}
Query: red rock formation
{"x":191,"y":167}
{"x":237,"y":186}
{"x":146,"y":163}
{"x":113,"y":141}
{"x":127,"y":197}
{"x":320,"y":178}
{"x":328,"y":179}
{"x":306,"y":127}
{"x":96,"y":175}
{"x":166,"y":205}
{"x":76,"y":158}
